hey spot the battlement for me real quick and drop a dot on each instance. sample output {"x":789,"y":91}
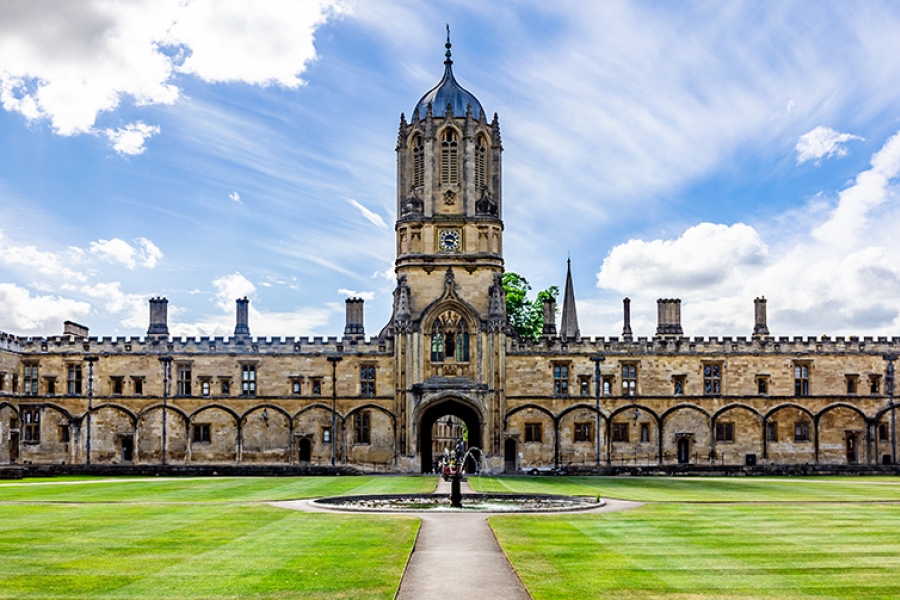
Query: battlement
{"x":710,"y":345}
{"x":239,"y":344}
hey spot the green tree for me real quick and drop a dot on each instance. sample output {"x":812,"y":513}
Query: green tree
{"x":526,"y":316}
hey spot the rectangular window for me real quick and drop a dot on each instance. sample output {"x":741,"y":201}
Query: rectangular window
{"x":15,"y":384}
{"x":629,"y":380}
{"x":205,"y":386}
{"x":645,"y":433}
{"x":560,"y":380}
{"x":316,"y":386}
{"x":712,"y":379}
{"x":2,"y":380}
{"x":51,"y":385}
{"x":874,"y":384}
{"x":184,"y":380}
{"x":852,"y":384}
{"x":678,"y":381}
{"x":771,"y":431}
{"x":724,"y":432}
{"x":64,"y":434}
{"x":31,"y":422}
{"x":620,"y":432}
{"x":583,"y":432}
{"x":801,"y":432}
{"x":138,"y":385}
{"x":74,"y":380}
{"x":361,"y":427}
{"x":226,"y":385}
{"x":533,"y":432}
{"x":118,"y":384}
{"x":295,"y":386}
{"x":607,"y":385}
{"x":202,"y":433}
{"x":801,"y":380}
{"x":883,"y":432}
{"x":31,"y":380}
{"x":326,"y":435}
{"x":248,"y":380}
{"x":584,"y":385}
{"x":762,"y":385}
{"x":367,"y":380}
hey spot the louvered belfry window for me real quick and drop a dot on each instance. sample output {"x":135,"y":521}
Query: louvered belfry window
{"x":449,"y":157}
{"x":418,"y":152}
{"x":480,"y":162}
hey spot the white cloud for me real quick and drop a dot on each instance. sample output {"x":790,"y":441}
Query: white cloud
{"x":235,"y":197}
{"x":24,"y":312}
{"x":145,"y":254}
{"x":822,"y":142}
{"x":231,"y":287}
{"x":130,"y":139}
{"x":68,"y":62}
{"x":116,"y":301}
{"x":353,"y":294}
{"x":33,"y":260}
{"x":372,"y":217}
{"x":835,"y":275}
{"x":705,"y":257}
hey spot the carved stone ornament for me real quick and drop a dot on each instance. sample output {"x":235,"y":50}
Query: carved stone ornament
{"x":449,"y":197}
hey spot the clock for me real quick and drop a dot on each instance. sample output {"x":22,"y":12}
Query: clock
{"x":449,"y":240}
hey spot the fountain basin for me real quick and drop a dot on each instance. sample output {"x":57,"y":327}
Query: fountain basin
{"x":492,"y":503}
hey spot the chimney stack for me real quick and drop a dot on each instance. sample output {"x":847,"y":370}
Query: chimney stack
{"x":73,"y":328}
{"x":354,"y":323}
{"x":242,"y":318}
{"x":158,"y":317}
{"x":669,"y":317}
{"x":549,"y":316}
{"x":760,"y":328}
{"x":626,"y":328}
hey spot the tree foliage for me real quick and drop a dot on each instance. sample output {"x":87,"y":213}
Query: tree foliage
{"x":526,"y":316}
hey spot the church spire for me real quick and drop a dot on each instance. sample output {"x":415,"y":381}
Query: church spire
{"x":569,"y":326}
{"x":447,"y":60}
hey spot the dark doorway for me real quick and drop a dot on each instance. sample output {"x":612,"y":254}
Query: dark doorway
{"x":446,"y":408}
{"x":304,"y":449}
{"x":14,"y":447}
{"x":852,"y":449}
{"x":127,"y":448}
{"x":684,"y":450}
{"x":510,"y":454}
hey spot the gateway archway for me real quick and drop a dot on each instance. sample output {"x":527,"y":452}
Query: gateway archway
{"x":449,"y":407}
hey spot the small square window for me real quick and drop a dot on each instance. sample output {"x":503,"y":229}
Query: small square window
{"x":202,"y":433}
{"x":583,"y":432}
{"x":533,"y":432}
{"x":620,"y":432}
{"x":801,"y":432}
{"x":725,"y":432}
{"x":317,"y":386}
{"x":771,"y":431}
{"x":584,"y":385}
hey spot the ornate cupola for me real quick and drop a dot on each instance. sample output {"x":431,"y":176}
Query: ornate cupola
{"x":449,"y":201}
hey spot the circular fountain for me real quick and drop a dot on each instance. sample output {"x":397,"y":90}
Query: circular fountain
{"x":456,"y":501}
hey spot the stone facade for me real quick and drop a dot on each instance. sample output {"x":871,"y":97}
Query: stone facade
{"x":447,"y":351}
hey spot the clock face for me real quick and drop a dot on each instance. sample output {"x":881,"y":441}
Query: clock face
{"x":449,"y":240}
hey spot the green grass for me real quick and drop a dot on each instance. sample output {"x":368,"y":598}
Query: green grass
{"x":205,"y":489}
{"x":198,"y":539}
{"x":670,"y":551}
{"x":704,"y":489}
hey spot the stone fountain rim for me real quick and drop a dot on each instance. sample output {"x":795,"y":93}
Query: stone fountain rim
{"x":579,"y":503}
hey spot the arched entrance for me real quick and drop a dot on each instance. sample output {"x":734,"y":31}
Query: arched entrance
{"x":852,"y":449}
{"x":449,"y":407}
{"x":304,"y":450}
{"x":684,"y":450}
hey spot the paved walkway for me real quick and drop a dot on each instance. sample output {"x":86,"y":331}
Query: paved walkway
{"x":457,"y":557}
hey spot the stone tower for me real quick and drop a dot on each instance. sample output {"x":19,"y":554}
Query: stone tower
{"x":449,"y":306}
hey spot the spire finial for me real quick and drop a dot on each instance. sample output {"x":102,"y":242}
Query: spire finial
{"x":447,"y":46}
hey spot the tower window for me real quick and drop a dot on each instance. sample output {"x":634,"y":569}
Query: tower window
{"x":361,"y":426}
{"x":248,"y":380}
{"x":712,"y":379}
{"x":418,"y":156}
{"x":74,"y":380}
{"x":31,"y":380}
{"x":449,"y":157}
{"x":480,"y":162}
{"x":629,"y":380}
{"x":450,"y":338}
{"x":184,"y":380}
{"x":367,"y":380}
{"x":801,"y":380}
{"x":560,"y":380}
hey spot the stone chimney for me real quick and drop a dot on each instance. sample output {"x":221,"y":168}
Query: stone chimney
{"x":669,"y":316}
{"x":760,"y":328}
{"x":549,"y":316}
{"x":242,"y":317}
{"x":158,"y":317}
{"x":354,"y":324}
{"x":73,"y":328}
{"x":626,"y":317}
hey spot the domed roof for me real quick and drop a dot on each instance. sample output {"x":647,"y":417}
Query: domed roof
{"x":448,"y":91}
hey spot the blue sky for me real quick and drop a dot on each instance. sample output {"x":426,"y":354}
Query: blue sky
{"x":207,"y":150}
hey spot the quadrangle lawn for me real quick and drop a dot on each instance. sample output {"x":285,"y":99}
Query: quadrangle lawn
{"x":205,"y":538}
